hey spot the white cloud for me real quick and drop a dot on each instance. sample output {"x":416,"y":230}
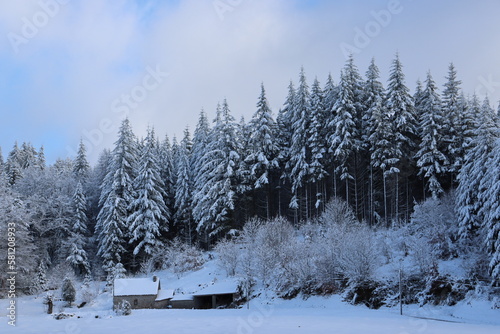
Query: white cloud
{"x":92,"y":52}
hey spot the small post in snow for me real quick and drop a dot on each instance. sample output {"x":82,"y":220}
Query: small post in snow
{"x":400,"y":290}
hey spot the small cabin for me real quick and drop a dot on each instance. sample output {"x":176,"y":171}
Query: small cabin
{"x":219,"y":294}
{"x":141,"y":293}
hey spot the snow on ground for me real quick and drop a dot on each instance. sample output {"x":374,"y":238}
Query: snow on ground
{"x":266,"y":314}
{"x":315,"y":315}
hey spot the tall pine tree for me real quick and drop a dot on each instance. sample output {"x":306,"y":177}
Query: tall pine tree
{"x":148,"y":213}
{"x":431,"y":160}
{"x":78,"y":235}
{"x":400,"y":106}
{"x":117,"y":194}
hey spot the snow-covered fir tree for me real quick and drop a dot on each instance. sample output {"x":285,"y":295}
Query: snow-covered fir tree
{"x":262,"y":154}
{"x":430,"y":159}
{"x":453,"y":145}
{"x":13,"y":169}
{"x":215,"y":201}
{"x":183,"y":191}
{"x":298,"y":163}
{"x":201,"y":140}
{"x":342,"y":143}
{"x":284,"y":131}
{"x":148,"y":213}
{"x":317,"y":144}
{"x":384,"y":154}
{"x":469,"y":203}
{"x":400,"y":106}
{"x":283,"y":140}
{"x":490,"y":197}
{"x":40,"y":282}
{"x":81,"y":166}
{"x":166,"y":165}
{"x":41,"y":158}
{"x":117,"y":193}
{"x":28,"y":156}
{"x":330,"y":96}
{"x":372,"y":91}
{"x":77,"y":256}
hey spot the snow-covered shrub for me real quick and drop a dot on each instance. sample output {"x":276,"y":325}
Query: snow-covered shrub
{"x":338,"y":212}
{"x":40,"y":283}
{"x":89,"y":292}
{"x":271,"y":240}
{"x":345,"y":248}
{"x":182,"y":257}
{"x":349,"y":246}
{"x":55,"y":273}
{"x":435,"y":220}
{"x":358,"y":256}
{"x":423,"y":255}
{"x":228,"y":255}
{"x":123,"y":308}
{"x":68,"y":291}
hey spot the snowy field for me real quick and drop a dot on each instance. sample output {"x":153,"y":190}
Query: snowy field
{"x":315,"y":315}
{"x":266,"y":314}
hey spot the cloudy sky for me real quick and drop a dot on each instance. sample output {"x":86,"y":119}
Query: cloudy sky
{"x":72,"y":69}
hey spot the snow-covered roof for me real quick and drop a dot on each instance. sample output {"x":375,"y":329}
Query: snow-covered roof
{"x":136,"y":286}
{"x":182,"y":296}
{"x":165,"y":294}
{"x":228,"y":286}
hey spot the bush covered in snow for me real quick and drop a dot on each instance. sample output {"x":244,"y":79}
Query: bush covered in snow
{"x":313,"y":258}
{"x":68,"y":291}
{"x":337,"y":253}
{"x":177,"y":256}
{"x":123,"y":308}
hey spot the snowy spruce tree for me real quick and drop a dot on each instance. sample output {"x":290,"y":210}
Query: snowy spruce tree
{"x":342,"y":143}
{"x":215,"y":201}
{"x":183,"y":191}
{"x":400,"y":107}
{"x":166,"y":168}
{"x":490,"y":197}
{"x":283,"y":139}
{"x":384,"y":154}
{"x":68,"y":291}
{"x":430,"y":159}
{"x":13,"y":170}
{"x":117,"y":194}
{"x":201,"y":138}
{"x":77,"y":257}
{"x":298,"y":163}
{"x":41,"y":164}
{"x":453,"y":140}
{"x":469,"y":203}
{"x":317,"y":145}
{"x":81,"y":167}
{"x":148,"y":213}
{"x":374,"y":138}
{"x":262,"y":157}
